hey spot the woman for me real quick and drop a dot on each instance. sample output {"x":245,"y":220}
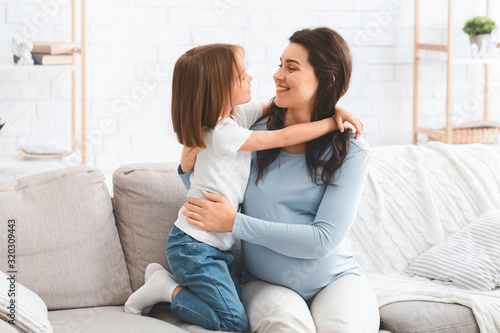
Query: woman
{"x":300,"y":274}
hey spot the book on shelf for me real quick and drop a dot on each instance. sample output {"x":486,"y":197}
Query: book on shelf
{"x":53,"y":59}
{"x":53,"y":47}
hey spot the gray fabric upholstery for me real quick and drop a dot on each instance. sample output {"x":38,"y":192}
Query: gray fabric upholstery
{"x":110,"y":319}
{"x":68,"y":251}
{"x":421,"y":316}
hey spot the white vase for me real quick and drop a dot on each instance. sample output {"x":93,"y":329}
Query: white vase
{"x":482,"y":41}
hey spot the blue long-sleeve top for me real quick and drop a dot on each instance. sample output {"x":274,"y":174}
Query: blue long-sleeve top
{"x":293,"y":231}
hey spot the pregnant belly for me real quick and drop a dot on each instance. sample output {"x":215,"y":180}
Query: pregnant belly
{"x":305,"y":276}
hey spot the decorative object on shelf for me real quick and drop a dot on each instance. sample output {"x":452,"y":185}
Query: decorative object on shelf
{"x":21,"y":47}
{"x":1,"y":124}
{"x":37,"y":152}
{"x":482,"y":40}
{"x":472,"y":132}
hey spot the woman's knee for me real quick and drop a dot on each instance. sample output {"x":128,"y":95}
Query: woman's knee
{"x":273,"y":308}
{"x":347,"y":305}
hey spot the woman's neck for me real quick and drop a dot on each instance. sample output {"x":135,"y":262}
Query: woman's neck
{"x":295,"y":116}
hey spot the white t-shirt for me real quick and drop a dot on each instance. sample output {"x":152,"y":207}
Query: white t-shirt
{"x":221,"y":168}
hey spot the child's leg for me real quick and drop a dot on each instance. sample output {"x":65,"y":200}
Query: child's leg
{"x":209,"y":297}
{"x":158,"y":288}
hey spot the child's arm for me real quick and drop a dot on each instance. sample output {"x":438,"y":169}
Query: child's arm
{"x":289,"y":136}
{"x":341,"y":115}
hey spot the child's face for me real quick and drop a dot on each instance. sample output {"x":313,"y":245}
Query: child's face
{"x":242,"y":83}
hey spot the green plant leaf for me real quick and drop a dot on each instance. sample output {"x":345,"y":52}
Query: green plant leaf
{"x":479,"y":25}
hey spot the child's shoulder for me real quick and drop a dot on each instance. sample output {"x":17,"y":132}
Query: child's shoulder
{"x":247,"y":114}
{"x":253,"y":105}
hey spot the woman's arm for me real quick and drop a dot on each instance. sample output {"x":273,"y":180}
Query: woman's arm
{"x":333,"y":221}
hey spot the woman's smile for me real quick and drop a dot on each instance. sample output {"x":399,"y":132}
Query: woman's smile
{"x":281,"y":89}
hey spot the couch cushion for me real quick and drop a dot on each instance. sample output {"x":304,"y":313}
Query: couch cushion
{"x":67,"y":245}
{"x":20,"y":306}
{"x":420,"y":317}
{"x":147,"y":198}
{"x":110,"y":319}
{"x":469,"y":258}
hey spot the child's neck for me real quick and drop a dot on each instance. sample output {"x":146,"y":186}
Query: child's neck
{"x":227,"y":113}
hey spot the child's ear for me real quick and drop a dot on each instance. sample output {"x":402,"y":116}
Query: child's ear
{"x":332,"y":82}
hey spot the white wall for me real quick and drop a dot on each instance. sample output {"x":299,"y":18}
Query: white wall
{"x":132,"y":47}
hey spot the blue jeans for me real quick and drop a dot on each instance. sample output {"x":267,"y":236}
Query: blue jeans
{"x":210,"y":294}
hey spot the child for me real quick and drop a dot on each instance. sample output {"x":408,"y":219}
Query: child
{"x":209,"y":90}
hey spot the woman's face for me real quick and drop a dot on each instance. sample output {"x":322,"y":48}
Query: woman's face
{"x":296,"y":83}
{"x":242,"y":82}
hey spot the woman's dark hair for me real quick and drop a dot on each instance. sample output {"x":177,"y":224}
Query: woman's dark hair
{"x":329,"y":55}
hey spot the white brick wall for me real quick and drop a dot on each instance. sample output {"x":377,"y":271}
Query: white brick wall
{"x":132,"y":47}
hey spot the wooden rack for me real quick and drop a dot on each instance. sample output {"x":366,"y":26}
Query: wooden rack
{"x":81,"y":50}
{"x":449,"y":134}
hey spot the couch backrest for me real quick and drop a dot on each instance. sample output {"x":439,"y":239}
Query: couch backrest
{"x":66,"y":245}
{"x":416,"y":196}
{"x":147,"y":198}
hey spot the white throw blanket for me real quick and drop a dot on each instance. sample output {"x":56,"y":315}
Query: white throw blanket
{"x":415,"y":197}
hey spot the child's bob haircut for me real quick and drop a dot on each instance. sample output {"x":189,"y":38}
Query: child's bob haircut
{"x":202,"y":86}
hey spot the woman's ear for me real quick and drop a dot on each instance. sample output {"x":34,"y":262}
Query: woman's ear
{"x":332,"y":82}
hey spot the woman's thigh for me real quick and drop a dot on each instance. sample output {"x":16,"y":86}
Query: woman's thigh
{"x":347,"y":305}
{"x":274,"y":309}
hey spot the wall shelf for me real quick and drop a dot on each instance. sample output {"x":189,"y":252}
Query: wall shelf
{"x":17,"y":68}
{"x":13,"y":161}
{"x":17,"y":162}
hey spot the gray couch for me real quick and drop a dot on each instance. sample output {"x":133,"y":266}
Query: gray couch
{"x":84,"y":252}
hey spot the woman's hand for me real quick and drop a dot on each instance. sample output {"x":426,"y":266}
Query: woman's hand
{"x":188,"y":158}
{"x":216,"y":214}
{"x":342,"y":115}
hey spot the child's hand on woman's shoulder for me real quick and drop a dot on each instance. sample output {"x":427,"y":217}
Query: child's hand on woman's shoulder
{"x":342,"y":116}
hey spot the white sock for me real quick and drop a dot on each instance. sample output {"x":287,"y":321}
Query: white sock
{"x":152,"y":267}
{"x":159,"y":288}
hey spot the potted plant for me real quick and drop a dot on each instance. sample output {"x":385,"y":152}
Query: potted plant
{"x":479,"y":30}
